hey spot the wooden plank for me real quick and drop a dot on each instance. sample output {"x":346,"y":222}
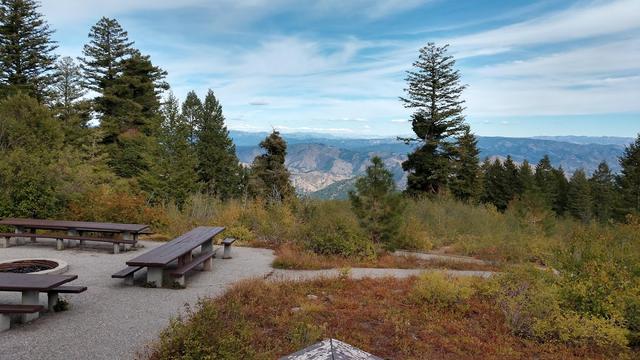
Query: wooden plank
{"x":31,"y":282}
{"x":74,"y":225}
{"x":164,"y":254}
{"x":192,"y":264}
{"x":20,"y":309}
{"x":68,"y":289}
{"x":126,"y":272}
{"x":67,"y":237}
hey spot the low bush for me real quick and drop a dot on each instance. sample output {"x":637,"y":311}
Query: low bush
{"x":533,"y":305}
{"x":332,"y":229}
{"x":438,"y":289}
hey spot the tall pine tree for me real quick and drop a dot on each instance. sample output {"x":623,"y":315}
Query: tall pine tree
{"x":526,"y":178}
{"x":173,"y":176}
{"x":108,"y":47}
{"x":433,"y":92}
{"x":192,"y":112}
{"x":496,"y":187}
{"x":579,"y":197}
{"x":73,"y":111}
{"x":130,"y":115}
{"x":629,"y":179}
{"x":218,"y":165}
{"x":269,"y":178}
{"x":26,"y":49}
{"x":603,"y":192}
{"x":512,"y":178}
{"x":466,"y":183}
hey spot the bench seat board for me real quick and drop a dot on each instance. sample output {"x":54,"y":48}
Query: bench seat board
{"x":66,"y":237}
{"x":180,"y":271}
{"x":20,"y":309}
{"x":165,"y":254}
{"x":228,"y":241}
{"x":68,"y":289}
{"x":129,"y":270}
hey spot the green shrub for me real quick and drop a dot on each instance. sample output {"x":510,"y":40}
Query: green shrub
{"x":574,"y":329}
{"x":332,"y":229}
{"x":438,"y":289}
{"x":533,"y":305}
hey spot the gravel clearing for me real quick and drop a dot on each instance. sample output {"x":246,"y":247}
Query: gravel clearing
{"x":111,"y":320}
{"x":114,"y":321}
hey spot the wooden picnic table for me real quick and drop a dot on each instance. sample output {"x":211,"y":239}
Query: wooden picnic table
{"x":31,"y":285}
{"x":181,"y":249}
{"x":128,"y":232}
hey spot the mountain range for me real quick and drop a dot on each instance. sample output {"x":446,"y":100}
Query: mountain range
{"x":326,"y":166}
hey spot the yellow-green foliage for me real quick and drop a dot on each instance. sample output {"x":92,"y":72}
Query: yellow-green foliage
{"x":438,"y":289}
{"x":331,"y":228}
{"x":534,"y":307}
{"x":581,"y":330}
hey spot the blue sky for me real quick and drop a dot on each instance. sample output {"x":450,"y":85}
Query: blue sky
{"x":337,"y":66}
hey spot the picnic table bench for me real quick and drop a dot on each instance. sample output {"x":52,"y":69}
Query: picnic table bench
{"x":30,"y":285}
{"x":122,"y":234}
{"x":158,"y":260}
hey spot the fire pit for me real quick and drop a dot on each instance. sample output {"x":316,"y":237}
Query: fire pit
{"x":33,"y":266}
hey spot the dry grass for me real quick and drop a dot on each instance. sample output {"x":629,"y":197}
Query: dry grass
{"x":266,"y":320}
{"x":295,"y":258}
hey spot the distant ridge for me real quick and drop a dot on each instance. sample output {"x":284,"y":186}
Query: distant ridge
{"x":325,"y":166}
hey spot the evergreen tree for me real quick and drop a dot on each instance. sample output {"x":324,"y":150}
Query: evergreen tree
{"x":377,"y":205}
{"x":218,"y":166}
{"x":70,"y":108}
{"x":269,"y":177}
{"x":26,"y":49}
{"x":466,"y":183}
{"x":545,"y":180}
{"x":173,"y":176}
{"x":602,"y":185}
{"x":107,"y":49}
{"x":433,"y":91}
{"x":629,"y":179}
{"x":579,"y":197}
{"x":526,"y":178}
{"x":192,"y":109}
{"x":512,"y":178}
{"x":560,"y":200}
{"x":130,"y":115}
{"x":68,"y":87}
{"x":496,"y":189}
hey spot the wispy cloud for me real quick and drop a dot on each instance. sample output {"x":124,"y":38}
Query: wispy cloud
{"x":331,"y":62}
{"x":582,"y":21}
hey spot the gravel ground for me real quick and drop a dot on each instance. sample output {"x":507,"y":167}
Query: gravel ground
{"x":111,"y":320}
{"x":114,"y":321}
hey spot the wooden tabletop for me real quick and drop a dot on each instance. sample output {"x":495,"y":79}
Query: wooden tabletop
{"x":75,"y":225}
{"x":32,"y":282}
{"x":164,"y":254}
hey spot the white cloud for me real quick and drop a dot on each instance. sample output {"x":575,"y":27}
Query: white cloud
{"x":580,"y":22}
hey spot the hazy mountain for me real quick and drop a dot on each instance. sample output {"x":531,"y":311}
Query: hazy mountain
{"x":328,"y":163}
{"x":585,"y":140}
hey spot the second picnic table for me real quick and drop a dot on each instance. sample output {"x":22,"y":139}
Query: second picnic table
{"x":126,"y":234}
{"x":181,"y":249}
